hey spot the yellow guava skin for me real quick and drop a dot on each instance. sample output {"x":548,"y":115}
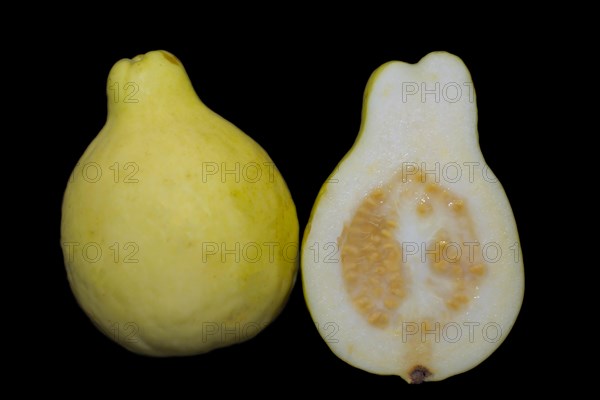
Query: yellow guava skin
{"x":179,"y":234}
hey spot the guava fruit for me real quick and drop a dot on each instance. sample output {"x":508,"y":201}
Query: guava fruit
{"x":411,"y":252}
{"x":179,"y":233}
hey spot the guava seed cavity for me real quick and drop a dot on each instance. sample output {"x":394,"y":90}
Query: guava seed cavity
{"x":375,"y":269}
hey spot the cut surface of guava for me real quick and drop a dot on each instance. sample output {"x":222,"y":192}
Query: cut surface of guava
{"x":412,"y":250}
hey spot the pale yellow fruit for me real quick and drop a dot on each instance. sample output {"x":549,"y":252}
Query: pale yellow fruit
{"x":411,"y":257}
{"x":179,"y":234}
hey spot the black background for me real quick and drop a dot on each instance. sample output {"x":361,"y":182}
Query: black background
{"x":301,"y":100}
